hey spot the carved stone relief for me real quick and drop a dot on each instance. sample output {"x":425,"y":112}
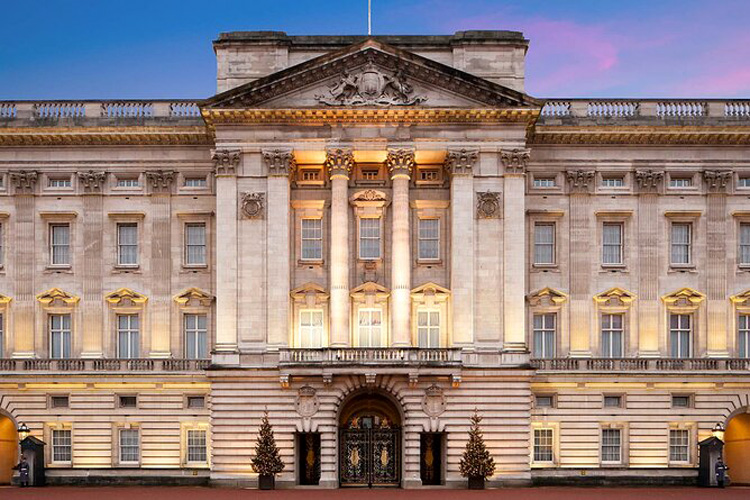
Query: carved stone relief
{"x":226,"y":161}
{"x":433,"y":402}
{"x":461,"y":161}
{"x":717,"y":180}
{"x":371,"y":87}
{"x":92,"y":181}
{"x":160,"y":180}
{"x":252,"y":205}
{"x":488,"y":205}
{"x":581,"y":181}
{"x":279,"y":162}
{"x":24,"y":180}
{"x":649,"y":180}
{"x":339,"y":162}
{"x":515,"y":160}
{"x":307,"y":402}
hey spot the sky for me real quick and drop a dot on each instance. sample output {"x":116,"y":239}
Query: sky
{"x":149,"y":49}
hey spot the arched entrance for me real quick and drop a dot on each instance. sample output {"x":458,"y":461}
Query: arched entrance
{"x":737,"y":448}
{"x":370,"y":442}
{"x":8,"y":448}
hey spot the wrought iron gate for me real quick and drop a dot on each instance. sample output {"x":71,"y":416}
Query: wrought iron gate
{"x":370,"y":457}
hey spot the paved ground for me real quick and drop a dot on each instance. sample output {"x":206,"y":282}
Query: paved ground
{"x":141,"y":493}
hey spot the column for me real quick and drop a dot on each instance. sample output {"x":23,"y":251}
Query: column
{"x":400,"y":163}
{"x":226,"y":165}
{"x":279,"y":164}
{"x":339,"y":164}
{"x":23,"y":264}
{"x":92,"y":304}
{"x":581,"y":237}
{"x":514,"y":249}
{"x":460,"y":164}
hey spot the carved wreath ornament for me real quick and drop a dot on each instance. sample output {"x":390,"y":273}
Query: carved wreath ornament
{"x":307,"y":402}
{"x":371,"y":87}
{"x":252,"y":205}
{"x":488,"y":205}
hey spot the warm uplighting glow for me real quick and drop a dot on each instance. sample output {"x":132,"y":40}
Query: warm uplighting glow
{"x":718,"y":431}
{"x":23,"y":431}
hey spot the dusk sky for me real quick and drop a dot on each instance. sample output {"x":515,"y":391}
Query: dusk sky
{"x":100,"y":49}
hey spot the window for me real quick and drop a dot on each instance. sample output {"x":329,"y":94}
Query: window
{"x":59,"y":402}
{"x":370,"y":328}
{"x":428,"y":328}
{"x":196,"y":341}
{"x":544,"y":401}
{"x":60,"y":183}
{"x":429,"y":175}
{"x":612,"y":445}
{"x":196,"y":402}
{"x":429,"y":239}
{"x":129,"y":446}
{"x":309,"y":175}
{"x":60,"y":336}
{"x":744,"y":182}
{"x":195,"y":182}
{"x":127,"y":244}
{"x":2,"y":247}
{"x":369,"y":238}
{"x":681,"y":243}
{"x":544,"y":335}
{"x":128,"y":183}
{"x":680,"y":182}
{"x":312,"y":239}
{"x":543,"y":445}
{"x":744,"y":252}
{"x":59,"y":240}
{"x":195,"y":244}
{"x":612,"y":401}
{"x":128,"y":401}
{"x":743,"y":330}
{"x":311,"y":328}
{"x":612,"y":335}
{"x":62,"y":445}
{"x":680,"y":333}
{"x":544,"y":182}
{"x":196,"y":446}
{"x":544,"y":243}
{"x":681,"y":401}
{"x":679,"y":445}
{"x":2,"y":336}
{"x":128,"y":335}
{"x":612,"y":243}
{"x":613,"y":182}
{"x":370,"y":174}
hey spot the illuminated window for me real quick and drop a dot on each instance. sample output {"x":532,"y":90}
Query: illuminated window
{"x":311,"y":328}
{"x":428,"y":328}
{"x":369,"y":238}
{"x":429,"y":239}
{"x":543,"y":445}
{"x":312,"y":239}
{"x":544,"y":335}
{"x":62,"y":445}
{"x":128,"y":336}
{"x":60,"y":336}
{"x":612,"y":445}
{"x":370,"y":328}
{"x":680,"y":335}
{"x":679,"y":445}
{"x":130,"y":446}
{"x":612,"y":335}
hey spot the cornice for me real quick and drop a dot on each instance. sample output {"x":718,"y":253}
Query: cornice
{"x":641,"y":135}
{"x":105,"y":136}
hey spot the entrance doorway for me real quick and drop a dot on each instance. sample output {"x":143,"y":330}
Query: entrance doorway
{"x":370,"y":442}
{"x":737,"y":448}
{"x":431,"y":458}
{"x":8,"y":449}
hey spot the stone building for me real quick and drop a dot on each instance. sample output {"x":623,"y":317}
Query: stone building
{"x":369,"y":238}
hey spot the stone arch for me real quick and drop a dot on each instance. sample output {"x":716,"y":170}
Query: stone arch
{"x":737,"y":445}
{"x":8,"y":444}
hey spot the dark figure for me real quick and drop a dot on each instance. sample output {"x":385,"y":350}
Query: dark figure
{"x":721,"y":473}
{"x":23,"y":472}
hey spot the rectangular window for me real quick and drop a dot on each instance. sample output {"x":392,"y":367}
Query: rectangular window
{"x":62,"y":445}
{"x":311,"y":328}
{"x":59,"y":240}
{"x":679,"y":445}
{"x":429,"y":239}
{"x":127,"y":244}
{"x":680,"y":335}
{"x":680,"y":182}
{"x":681,"y":401}
{"x":544,"y":182}
{"x":744,"y":251}
{"x":196,"y":402}
{"x":128,"y":336}
{"x":196,"y":446}
{"x":613,"y":401}
{"x":544,"y":401}
{"x":429,"y":175}
{"x":195,"y":244}
{"x":60,"y":336}
{"x":128,"y":401}
{"x":681,"y":243}
{"x":544,"y":243}
{"x":369,"y":239}
{"x":195,"y":182}
{"x":370,"y":174}
{"x":312,"y":239}
{"x":59,"y":402}
{"x":612,"y":335}
{"x":612,"y":243}
{"x":428,"y":328}
{"x":130,"y":452}
{"x":310,"y":175}
{"x":370,"y":328}
{"x":60,"y":183}
{"x":612,"y":445}
{"x":128,"y":183}
{"x":543,"y":445}
{"x":2,"y":336}
{"x":744,"y":182}
{"x":2,"y":246}
{"x":613,"y":182}
{"x":544,"y":335}
{"x":196,"y":336}
{"x":743,"y":331}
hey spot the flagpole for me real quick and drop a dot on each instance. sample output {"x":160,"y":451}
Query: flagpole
{"x":369,"y":17}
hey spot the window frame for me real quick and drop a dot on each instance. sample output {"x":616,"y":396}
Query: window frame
{"x":53,"y":445}
{"x":553,"y":245}
{"x":430,"y":328}
{"x":129,"y":332}
{"x":379,"y":239}
{"x":687,"y":446}
{"x":620,"y":246}
{"x":62,"y":331}
{"x":187,"y":245}
{"x":689,"y":245}
{"x":318,"y":240}
{"x":381,"y":326}
{"x":690,"y":330}
{"x":302,"y":328}
{"x":549,"y":446}
{"x":52,"y":245}
{"x":188,"y":461}
{"x":743,"y":224}
{"x":743,"y":331}
{"x":620,"y":446}
{"x":545,"y":330}
{"x":121,"y":447}
{"x":197,"y":330}
{"x":120,"y":245}
{"x":609,"y":328}
{"x":436,"y":239}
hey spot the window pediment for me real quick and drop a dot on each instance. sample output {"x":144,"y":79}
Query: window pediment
{"x":741,"y":299}
{"x":125,"y":297}
{"x":309,"y":294}
{"x":684,"y":297}
{"x":430,"y":293}
{"x":615,"y":297}
{"x":547,"y":297}
{"x":372,"y":290}
{"x":4,"y":300}
{"x":368,"y":198}
{"x":57,"y":297}
{"x":194,"y":296}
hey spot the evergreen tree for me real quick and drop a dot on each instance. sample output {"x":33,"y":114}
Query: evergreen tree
{"x":476,"y":460}
{"x":266,"y":461}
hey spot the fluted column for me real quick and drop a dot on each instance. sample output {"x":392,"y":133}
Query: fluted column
{"x":339,"y":163}
{"x":400,"y":163}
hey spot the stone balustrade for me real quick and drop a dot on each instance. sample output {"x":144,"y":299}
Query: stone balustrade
{"x":66,"y":111}
{"x":371,"y":356}
{"x":641,"y":364}
{"x":663,"y":109}
{"x":103,"y":365}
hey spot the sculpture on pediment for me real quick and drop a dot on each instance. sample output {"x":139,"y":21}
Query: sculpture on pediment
{"x":371,"y":87}
{"x":252,"y":205}
{"x":488,"y":205}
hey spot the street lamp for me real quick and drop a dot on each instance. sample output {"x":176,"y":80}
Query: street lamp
{"x":718,"y":431}
{"x":23,"y":431}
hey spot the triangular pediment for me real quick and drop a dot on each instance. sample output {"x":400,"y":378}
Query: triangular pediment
{"x":742,"y":298}
{"x":370,"y":74}
{"x":547,"y":297}
{"x":684,"y":297}
{"x":125,"y":297}
{"x":56,"y":296}
{"x":370,"y":288}
{"x":194,"y":296}
{"x":615,"y":297}
{"x":309,"y":289}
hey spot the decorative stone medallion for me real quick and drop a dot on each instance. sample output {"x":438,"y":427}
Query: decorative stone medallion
{"x":433,"y":402}
{"x":371,"y":87}
{"x":488,"y":205}
{"x":307,"y":402}
{"x":252,"y":205}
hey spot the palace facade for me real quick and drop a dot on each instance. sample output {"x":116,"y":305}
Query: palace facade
{"x":370,"y":238}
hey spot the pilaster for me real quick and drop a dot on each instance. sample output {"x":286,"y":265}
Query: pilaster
{"x":23,"y":266}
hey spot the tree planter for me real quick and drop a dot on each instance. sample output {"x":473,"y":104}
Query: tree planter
{"x":476,"y":483}
{"x":266,"y":482}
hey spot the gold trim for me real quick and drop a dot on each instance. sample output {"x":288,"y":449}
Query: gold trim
{"x":189,"y":294}
{"x":741,"y":297}
{"x":557,"y":297}
{"x":104,"y":136}
{"x":692,"y":296}
{"x":53,"y":294}
{"x":120,"y":294}
{"x":621,"y":294}
{"x":640,"y":135}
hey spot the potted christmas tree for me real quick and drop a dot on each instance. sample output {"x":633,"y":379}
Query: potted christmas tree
{"x":266,"y":462}
{"x":476,"y":464}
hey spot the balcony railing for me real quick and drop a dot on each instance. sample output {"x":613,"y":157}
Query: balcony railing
{"x":103,"y":365}
{"x":663,"y":109}
{"x":66,"y":111}
{"x":641,"y":364}
{"x":371,"y":356}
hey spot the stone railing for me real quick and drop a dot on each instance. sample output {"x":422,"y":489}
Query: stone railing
{"x":51,"y":111}
{"x":665,"y":109}
{"x":371,"y":356}
{"x":641,"y":364}
{"x":103,"y":365}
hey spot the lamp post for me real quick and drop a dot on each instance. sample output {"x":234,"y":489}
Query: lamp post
{"x":718,"y":431}
{"x":23,"y":431}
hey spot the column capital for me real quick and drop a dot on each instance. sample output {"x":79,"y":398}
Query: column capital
{"x":515,"y":160}
{"x":339,"y":162}
{"x":226,"y":161}
{"x":160,"y":180}
{"x":581,"y":181}
{"x":649,"y":180}
{"x":24,"y":180}
{"x":717,"y":181}
{"x":400,"y":162}
{"x":92,"y":182}
{"x":279,"y":162}
{"x":461,"y":161}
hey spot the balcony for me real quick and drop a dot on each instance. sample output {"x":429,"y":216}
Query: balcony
{"x":371,"y":356}
{"x":103,"y":365}
{"x":625,"y":110}
{"x":663,"y":365}
{"x":49,"y":113}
